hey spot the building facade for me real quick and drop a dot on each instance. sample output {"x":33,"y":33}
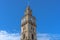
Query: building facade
{"x":28,"y":26}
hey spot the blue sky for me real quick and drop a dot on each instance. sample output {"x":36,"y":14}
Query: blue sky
{"x":47,"y":13}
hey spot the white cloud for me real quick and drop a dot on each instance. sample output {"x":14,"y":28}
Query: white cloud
{"x":7,"y":36}
{"x":43,"y":37}
{"x":16,"y":36}
{"x":48,"y":36}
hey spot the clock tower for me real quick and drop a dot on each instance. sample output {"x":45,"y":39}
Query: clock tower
{"x":28,"y":26}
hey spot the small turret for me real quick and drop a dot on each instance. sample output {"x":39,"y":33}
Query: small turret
{"x":28,"y":11}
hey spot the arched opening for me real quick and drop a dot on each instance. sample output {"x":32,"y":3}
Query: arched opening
{"x":32,"y":36}
{"x":23,"y":36}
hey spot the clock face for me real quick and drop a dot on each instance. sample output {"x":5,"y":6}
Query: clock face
{"x":32,"y":19}
{"x":23,"y":20}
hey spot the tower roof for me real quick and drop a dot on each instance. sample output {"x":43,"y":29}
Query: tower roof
{"x":28,"y":10}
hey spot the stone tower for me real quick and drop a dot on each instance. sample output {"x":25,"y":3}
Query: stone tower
{"x":28,"y":26}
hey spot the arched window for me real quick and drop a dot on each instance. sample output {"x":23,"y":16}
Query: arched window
{"x":31,"y":28}
{"x":23,"y":36}
{"x":32,"y":36}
